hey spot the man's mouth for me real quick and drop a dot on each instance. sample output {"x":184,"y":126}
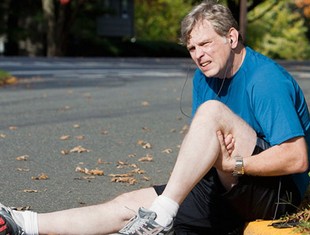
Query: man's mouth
{"x":205,"y":64}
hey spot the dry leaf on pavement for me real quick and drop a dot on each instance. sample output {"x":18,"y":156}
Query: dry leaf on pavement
{"x":138,"y":171}
{"x":30,"y":191}
{"x":65,"y":152}
{"x":167,"y":150}
{"x":129,"y":180}
{"x":146,"y":178}
{"x":22,"y":169}
{"x":184,"y":129}
{"x":42,"y":176}
{"x":65,"y":137}
{"x":121,"y":175}
{"x":79,"y":149}
{"x":145,"y":103}
{"x":80,"y":137}
{"x":100,"y":161}
{"x":144,"y":144}
{"x":22,"y":158}
{"x":104,"y":132}
{"x":132,"y":155}
{"x":89,"y":172}
{"x":147,"y":158}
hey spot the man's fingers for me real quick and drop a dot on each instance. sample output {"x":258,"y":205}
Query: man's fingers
{"x":221,"y":139}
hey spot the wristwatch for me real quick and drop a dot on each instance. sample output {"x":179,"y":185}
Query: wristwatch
{"x":239,"y":168}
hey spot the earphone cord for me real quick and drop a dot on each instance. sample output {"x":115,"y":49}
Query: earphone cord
{"x":182,"y":91}
{"x":183,"y":88}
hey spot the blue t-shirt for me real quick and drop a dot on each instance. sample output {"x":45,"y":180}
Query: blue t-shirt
{"x":264,"y":95}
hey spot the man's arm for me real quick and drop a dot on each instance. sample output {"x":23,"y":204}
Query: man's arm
{"x":287,"y":158}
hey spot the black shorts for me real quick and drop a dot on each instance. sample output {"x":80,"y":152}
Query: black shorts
{"x":210,"y":209}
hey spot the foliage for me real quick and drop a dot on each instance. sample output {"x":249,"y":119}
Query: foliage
{"x":279,"y":33}
{"x":4,"y":75}
{"x":302,"y":216}
{"x":6,"y":78}
{"x":160,"y":19}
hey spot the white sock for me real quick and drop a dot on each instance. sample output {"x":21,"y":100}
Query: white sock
{"x":28,"y":220}
{"x":165,"y":208}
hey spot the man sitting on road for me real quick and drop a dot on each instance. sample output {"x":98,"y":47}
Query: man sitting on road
{"x":245,"y":156}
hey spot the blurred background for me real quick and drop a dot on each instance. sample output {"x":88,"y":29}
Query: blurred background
{"x":143,"y":28}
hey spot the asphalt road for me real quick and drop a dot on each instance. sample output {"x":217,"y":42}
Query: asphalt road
{"x":118,"y":111}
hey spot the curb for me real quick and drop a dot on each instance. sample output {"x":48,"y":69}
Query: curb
{"x":263,"y":228}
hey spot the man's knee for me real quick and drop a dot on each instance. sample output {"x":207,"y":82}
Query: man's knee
{"x":213,"y":109}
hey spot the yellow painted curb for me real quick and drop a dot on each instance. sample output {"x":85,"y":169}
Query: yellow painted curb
{"x":263,"y":228}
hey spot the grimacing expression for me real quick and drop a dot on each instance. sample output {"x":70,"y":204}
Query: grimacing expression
{"x":209,"y":50}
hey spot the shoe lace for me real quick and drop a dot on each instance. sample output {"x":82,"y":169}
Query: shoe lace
{"x":137,"y":226}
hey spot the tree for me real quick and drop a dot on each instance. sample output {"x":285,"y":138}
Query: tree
{"x":280,"y":32}
{"x":60,"y":16}
{"x":305,"y":6}
{"x":159,"y":19}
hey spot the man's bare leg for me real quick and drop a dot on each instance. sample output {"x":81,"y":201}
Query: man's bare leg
{"x":104,"y":218}
{"x":200,"y":149}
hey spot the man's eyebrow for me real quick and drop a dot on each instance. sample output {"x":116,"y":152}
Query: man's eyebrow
{"x":189,"y":47}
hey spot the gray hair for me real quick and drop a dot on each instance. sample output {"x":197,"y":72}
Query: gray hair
{"x":218,"y":15}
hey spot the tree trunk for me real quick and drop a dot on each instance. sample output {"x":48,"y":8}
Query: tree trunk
{"x":243,"y":18}
{"x":49,"y":14}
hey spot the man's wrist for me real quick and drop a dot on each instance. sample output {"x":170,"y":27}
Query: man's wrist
{"x":239,"y":166}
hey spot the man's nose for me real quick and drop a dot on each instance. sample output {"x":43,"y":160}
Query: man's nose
{"x":199,"y":52}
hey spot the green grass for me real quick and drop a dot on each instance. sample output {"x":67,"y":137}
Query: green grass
{"x":4,"y":76}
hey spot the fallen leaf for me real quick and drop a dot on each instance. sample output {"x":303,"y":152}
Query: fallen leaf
{"x":65,"y":137}
{"x":145,"y":103}
{"x":129,"y":180}
{"x":138,"y":171}
{"x":121,"y":175}
{"x":80,"y":137}
{"x":13,"y":128}
{"x":121,"y":165}
{"x":65,"y":152}
{"x":167,"y":151}
{"x":42,"y":176}
{"x":146,"y":178}
{"x":11,"y":80}
{"x":144,"y":144}
{"x":79,"y":149}
{"x":99,"y":161}
{"x":22,"y":158}
{"x":22,"y":169}
{"x":132,"y":155}
{"x":67,"y":107}
{"x":104,"y":132}
{"x":89,"y":172}
{"x":30,"y":191}
{"x":147,"y":158}
{"x":89,"y":177}
{"x":184,"y":129}
{"x":76,"y":126}
{"x":2,"y":135}
{"x":146,"y":129}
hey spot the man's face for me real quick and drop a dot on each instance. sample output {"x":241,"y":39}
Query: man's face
{"x":209,"y":50}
